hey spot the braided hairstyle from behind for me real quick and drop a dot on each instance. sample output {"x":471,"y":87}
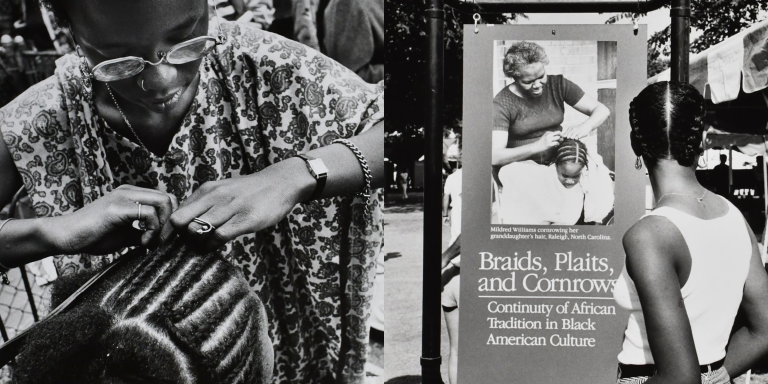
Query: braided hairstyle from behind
{"x":667,"y":120}
{"x":571,"y":151}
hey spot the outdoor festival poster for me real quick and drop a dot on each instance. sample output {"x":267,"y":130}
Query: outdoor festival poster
{"x":541,"y":240}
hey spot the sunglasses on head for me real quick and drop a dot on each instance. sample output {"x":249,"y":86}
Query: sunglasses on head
{"x":182,"y":53}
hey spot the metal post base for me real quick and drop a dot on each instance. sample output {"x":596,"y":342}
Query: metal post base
{"x":430,"y":370}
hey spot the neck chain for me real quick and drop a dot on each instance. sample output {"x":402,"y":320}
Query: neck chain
{"x":125,"y":118}
{"x":699,"y":199}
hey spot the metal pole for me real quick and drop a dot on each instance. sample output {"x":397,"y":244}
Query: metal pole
{"x":681,"y":30}
{"x":433,"y":182}
{"x":730,"y":172}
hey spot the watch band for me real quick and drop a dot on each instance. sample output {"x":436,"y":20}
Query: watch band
{"x":319,"y":171}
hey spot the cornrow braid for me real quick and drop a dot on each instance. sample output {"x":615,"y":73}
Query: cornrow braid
{"x":667,"y":120}
{"x":571,"y":151}
{"x":173,"y":316}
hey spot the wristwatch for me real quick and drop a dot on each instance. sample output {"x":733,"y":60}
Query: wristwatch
{"x":319,"y":171}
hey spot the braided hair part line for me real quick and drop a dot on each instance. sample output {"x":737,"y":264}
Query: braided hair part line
{"x":572,"y":151}
{"x":667,"y":120}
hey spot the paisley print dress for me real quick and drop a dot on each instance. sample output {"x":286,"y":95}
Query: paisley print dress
{"x":261,"y":99}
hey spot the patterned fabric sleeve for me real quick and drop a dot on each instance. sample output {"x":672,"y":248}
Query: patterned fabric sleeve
{"x":31,"y":125}
{"x":58,"y":156}
{"x":293,"y":100}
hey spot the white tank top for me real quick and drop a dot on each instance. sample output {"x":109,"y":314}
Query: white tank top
{"x":720,"y":252}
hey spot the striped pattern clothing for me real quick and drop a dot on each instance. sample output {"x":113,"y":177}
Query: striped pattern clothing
{"x":719,"y":376}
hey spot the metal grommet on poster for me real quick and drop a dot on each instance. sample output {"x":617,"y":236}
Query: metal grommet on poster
{"x":476,"y":17}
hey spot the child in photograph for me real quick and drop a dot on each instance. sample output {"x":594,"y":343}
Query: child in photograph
{"x":569,"y":191}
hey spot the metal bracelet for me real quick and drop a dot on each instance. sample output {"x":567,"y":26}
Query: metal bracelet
{"x":366,"y":192}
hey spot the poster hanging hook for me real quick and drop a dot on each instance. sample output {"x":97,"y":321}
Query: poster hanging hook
{"x":634,"y":19}
{"x":476,"y":17}
{"x":635,"y":27}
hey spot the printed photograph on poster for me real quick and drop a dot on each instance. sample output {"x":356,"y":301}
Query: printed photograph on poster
{"x":553,"y":135}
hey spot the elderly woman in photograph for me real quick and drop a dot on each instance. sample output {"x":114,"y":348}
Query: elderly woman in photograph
{"x":527,"y":113}
{"x":236,"y":139}
{"x":692,"y":264}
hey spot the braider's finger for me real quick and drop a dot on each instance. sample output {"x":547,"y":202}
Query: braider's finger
{"x":162,"y":202}
{"x":220,"y":236}
{"x":149,"y":216}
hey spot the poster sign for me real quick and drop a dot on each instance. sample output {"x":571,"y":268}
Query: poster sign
{"x":549,"y":189}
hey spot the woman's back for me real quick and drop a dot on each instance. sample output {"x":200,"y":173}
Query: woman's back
{"x":720,"y":250}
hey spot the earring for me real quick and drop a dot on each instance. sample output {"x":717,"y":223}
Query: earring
{"x":706,"y":162}
{"x":85,"y":70}
{"x":638,"y":163}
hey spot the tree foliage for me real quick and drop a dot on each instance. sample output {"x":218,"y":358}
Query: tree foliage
{"x":406,"y":40}
{"x":716,"y":19}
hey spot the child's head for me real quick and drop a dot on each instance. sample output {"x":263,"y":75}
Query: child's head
{"x":570,"y":161}
{"x":174,"y":316}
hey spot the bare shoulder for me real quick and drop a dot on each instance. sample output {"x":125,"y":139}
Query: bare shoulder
{"x":651,"y":240}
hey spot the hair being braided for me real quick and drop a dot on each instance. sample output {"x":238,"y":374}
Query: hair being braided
{"x":667,"y":120}
{"x":571,"y":151}
{"x":172,"y":316}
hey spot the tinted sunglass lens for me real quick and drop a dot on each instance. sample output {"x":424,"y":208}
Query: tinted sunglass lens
{"x":118,"y":71}
{"x":190,"y":52}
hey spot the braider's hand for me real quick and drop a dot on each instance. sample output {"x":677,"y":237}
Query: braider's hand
{"x":548,"y":140}
{"x":105,"y":225}
{"x":241,"y":205}
{"x":577,"y":132}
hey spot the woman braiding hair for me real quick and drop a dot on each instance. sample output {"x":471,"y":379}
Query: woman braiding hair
{"x":174,"y":316}
{"x":691,"y":264}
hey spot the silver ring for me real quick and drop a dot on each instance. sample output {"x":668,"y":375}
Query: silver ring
{"x":207,"y":227}
{"x":138,"y":223}
{"x":141,"y":84}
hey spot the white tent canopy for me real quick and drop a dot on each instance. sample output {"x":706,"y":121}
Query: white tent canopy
{"x":738,"y":63}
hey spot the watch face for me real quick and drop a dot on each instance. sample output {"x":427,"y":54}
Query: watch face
{"x":318,"y":168}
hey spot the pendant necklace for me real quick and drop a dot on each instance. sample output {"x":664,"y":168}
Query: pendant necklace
{"x":125,"y":118}
{"x":699,"y":199}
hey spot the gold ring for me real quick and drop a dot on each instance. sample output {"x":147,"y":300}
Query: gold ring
{"x":207,"y":227}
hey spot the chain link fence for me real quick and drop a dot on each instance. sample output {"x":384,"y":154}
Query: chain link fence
{"x":25,"y":297}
